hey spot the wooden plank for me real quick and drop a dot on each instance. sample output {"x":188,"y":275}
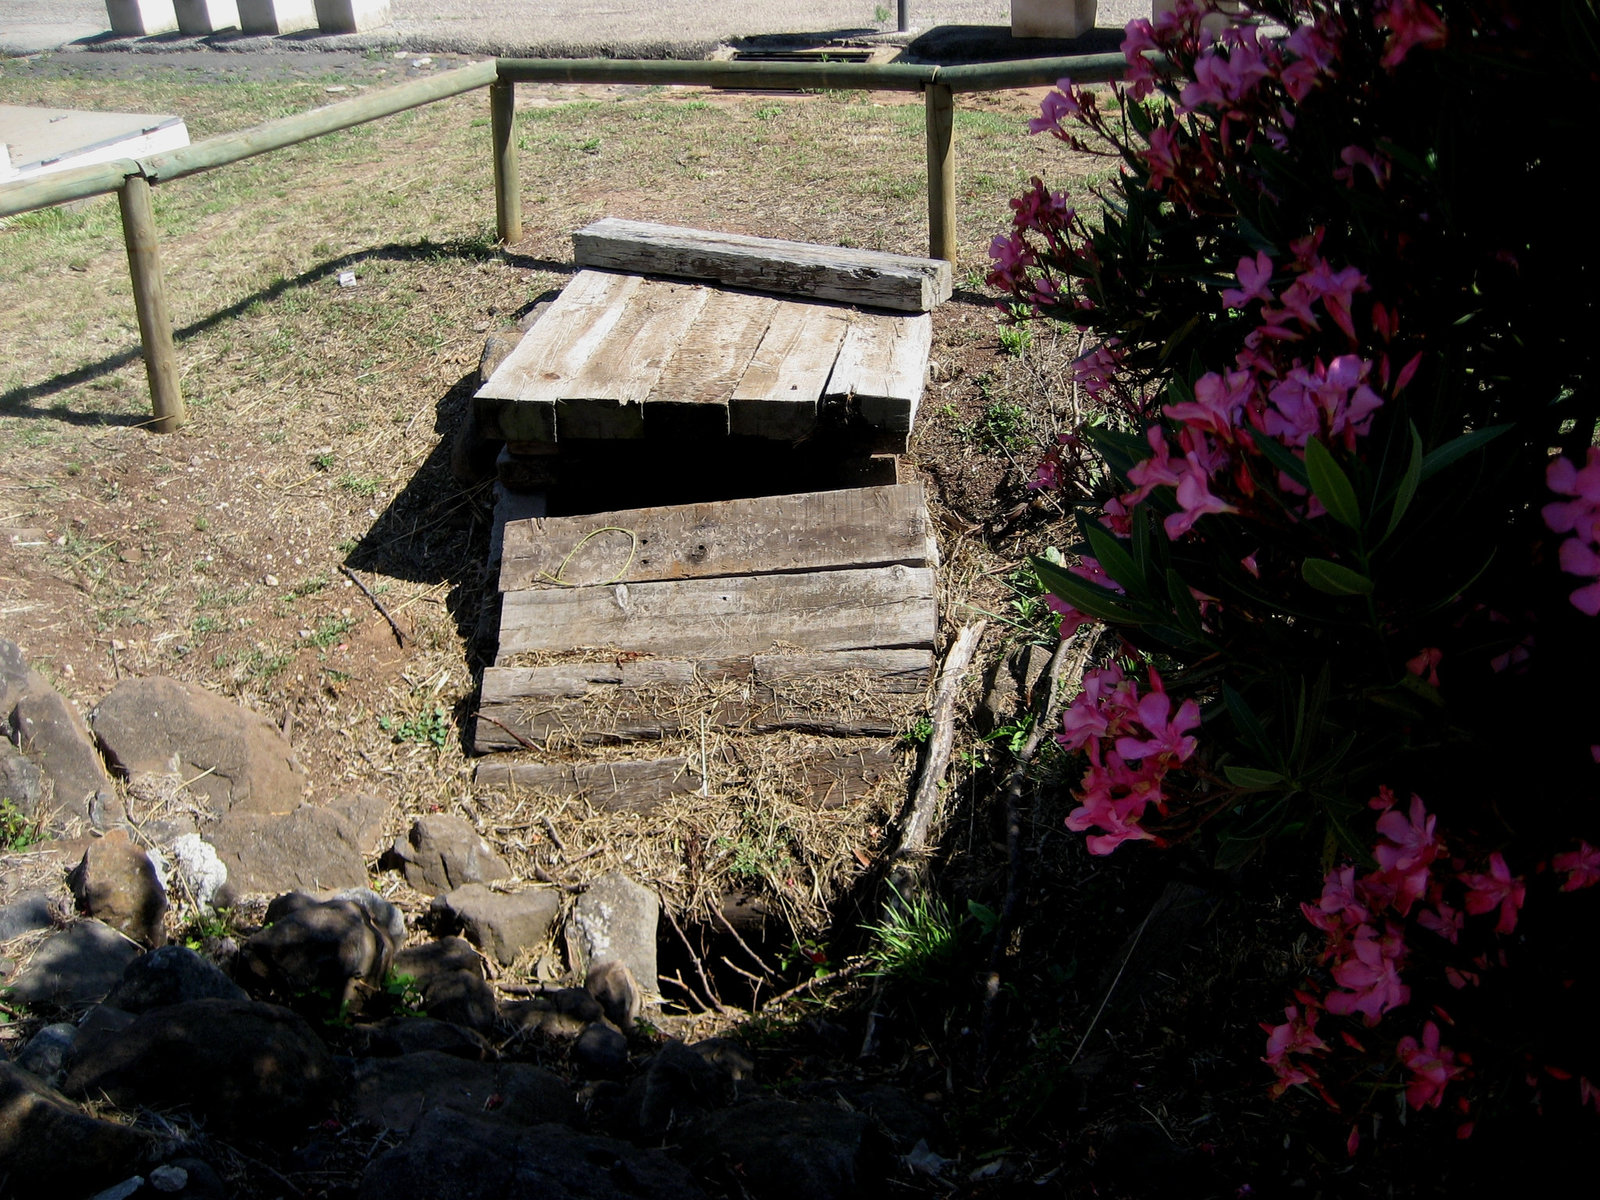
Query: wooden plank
{"x":690,"y":398}
{"x":766,"y":264}
{"x":881,"y":607}
{"x":812,"y":531}
{"x":614,"y":786}
{"x":519,"y":401}
{"x":605,"y":399}
{"x":777,"y":396}
{"x":837,"y":779}
{"x":882,"y":369}
{"x":622,"y":701}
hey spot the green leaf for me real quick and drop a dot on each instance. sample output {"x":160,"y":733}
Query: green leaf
{"x":1408,"y":483}
{"x":1109,"y":553}
{"x":1251,"y":731}
{"x":1441,"y":457}
{"x":1281,"y":457}
{"x":1252,"y":778}
{"x":1086,"y":597}
{"x":1334,"y":579}
{"x":1184,"y":606}
{"x":1332,"y":486}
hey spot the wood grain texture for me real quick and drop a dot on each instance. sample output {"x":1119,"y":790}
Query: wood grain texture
{"x":882,"y":369}
{"x":690,"y":396}
{"x":786,"y":268}
{"x":625,"y":701}
{"x":519,"y":400}
{"x":879,"y":607}
{"x":777,"y":396}
{"x":812,"y":531}
{"x":633,"y":786}
{"x":605,"y":399}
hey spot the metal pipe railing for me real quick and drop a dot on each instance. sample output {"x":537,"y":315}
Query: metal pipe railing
{"x":132,"y":178}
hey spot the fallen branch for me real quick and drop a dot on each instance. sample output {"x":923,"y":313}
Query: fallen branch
{"x":399,"y":635}
{"x":699,"y":967}
{"x":744,"y":945}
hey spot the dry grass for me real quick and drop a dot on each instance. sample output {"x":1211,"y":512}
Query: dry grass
{"x":320,"y":418}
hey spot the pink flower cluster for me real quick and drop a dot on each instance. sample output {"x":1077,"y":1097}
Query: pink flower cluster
{"x":1132,"y":742}
{"x":1579,"y":516}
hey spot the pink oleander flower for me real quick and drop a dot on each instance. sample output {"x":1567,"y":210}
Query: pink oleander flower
{"x":1221,"y":81}
{"x":1331,"y":400}
{"x":1496,"y":889}
{"x":1426,"y":665}
{"x":1407,"y":850}
{"x":1071,"y":619}
{"x":1088,"y":716}
{"x":1168,"y":737}
{"x":1094,"y":371}
{"x":1060,"y":103}
{"x":1219,"y":402}
{"x":1254,"y":277}
{"x":1338,"y":910}
{"x":1297,"y":1035}
{"x":1411,"y":23}
{"x":1579,"y":554}
{"x":1195,"y":499}
{"x":1370,"y":975}
{"x":1432,"y":1067}
{"x":1580,"y":866}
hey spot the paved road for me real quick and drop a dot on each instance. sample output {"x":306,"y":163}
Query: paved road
{"x":621,"y":28}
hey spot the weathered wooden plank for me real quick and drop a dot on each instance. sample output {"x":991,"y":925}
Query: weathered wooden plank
{"x":837,"y":779}
{"x":690,"y":398}
{"x":767,"y":264}
{"x":887,"y":607}
{"x":882,"y":369}
{"x":630,"y":700}
{"x":812,"y":531}
{"x":519,"y":400}
{"x":605,"y":399}
{"x":615,"y":786}
{"x":777,"y":396}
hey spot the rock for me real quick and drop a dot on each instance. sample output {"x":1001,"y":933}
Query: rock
{"x":676,"y":1085}
{"x":171,"y":975}
{"x":116,"y":882}
{"x":601,"y":1052}
{"x":50,"y":731}
{"x":397,"y":1092}
{"x":787,"y":1151}
{"x":444,"y":852}
{"x":102,"y":1018}
{"x":452,"y":1156}
{"x":312,"y":849}
{"x":537,"y":1018}
{"x":186,"y":1179}
{"x":21,"y":780}
{"x":1009,"y":690}
{"x":47,"y":1052}
{"x":234,"y":758}
{"x":79,"y":965}
{"x":384,"y":914}
{"x":50,"y":1148}
{"x":245,"y":1067}
{"x":615,"y":920}
{"x":196,"y":864}
{"x":613,"y":985}
{"x":906,"y":1121}
{"x":449,"y":976}
{"x":28,"y":913}
{"x":330,"y":949}
{"x":412,"y":1035}
{"x":503,"y":925}
{"x":131,"y":1186}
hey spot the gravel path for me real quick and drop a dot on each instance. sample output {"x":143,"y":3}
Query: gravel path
{"x":620,"y":28}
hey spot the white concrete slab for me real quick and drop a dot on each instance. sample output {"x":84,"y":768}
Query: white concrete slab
{"x":40,"y":140}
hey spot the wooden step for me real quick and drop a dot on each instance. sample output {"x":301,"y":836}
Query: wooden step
{"x":812,"y":531}
{"x":865,"y":277}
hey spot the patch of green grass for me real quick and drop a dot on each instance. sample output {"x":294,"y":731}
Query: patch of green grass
{"x":18,"y":831}
{"x":430,"y":727}
{"x":918,"y":940}
{"x":360,"y":485}
{"x":330,"y":631}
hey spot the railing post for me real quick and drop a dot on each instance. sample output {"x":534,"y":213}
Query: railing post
{"x":940,"y":104}
{"x":902,"y":21}
{"x":507,"y":182}
{"x":150,"y":302}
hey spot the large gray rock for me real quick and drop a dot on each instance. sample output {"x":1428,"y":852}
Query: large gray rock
{"x":198,"y":868}
{"x":676,"y":1085}
{"x":67,"y":778}
{"x":116,"y":882}
{"x":397,"y":1092}
{"x":331,"y":949}
{"x":616,"y":990}
{"x":79,"y":965}
{"x":171,"y":975}
{"x":47,"y":1053}
{"x":245,"y":1067}
{"x":28,"y":913}
{"x":452,"y":1156}
{"x":787,"y":1151}
{"x":615,"y":921}
{"x":449,"y":976}
{"x":21,"y":780}
{"x":49,"y":1147}
{"x":234,"y":758}
{"x":312,"y":849}
{"x":395,"y":1036}
{"x":502,"y":924}
{"x":443,"y":852}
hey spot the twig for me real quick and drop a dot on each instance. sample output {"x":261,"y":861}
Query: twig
{"x":745,"y":946}
{"x":699,"y":967}
{"x":843,"y":973}
{"x":550,"y":828}
{"x":544,"y":876}
{"x":925,"y":801}
{"x":750,"y":975}
{"x":399,"y":636}
{"x":677,"y":978}
{"x":1106,"y":999}
{"x":526,"y":744}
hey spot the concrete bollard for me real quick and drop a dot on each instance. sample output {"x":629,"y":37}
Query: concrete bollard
{"x":200,"y":17}
{"x":276,"y":16}
{"x":141,"y":18}
{"x":352,"y":16}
